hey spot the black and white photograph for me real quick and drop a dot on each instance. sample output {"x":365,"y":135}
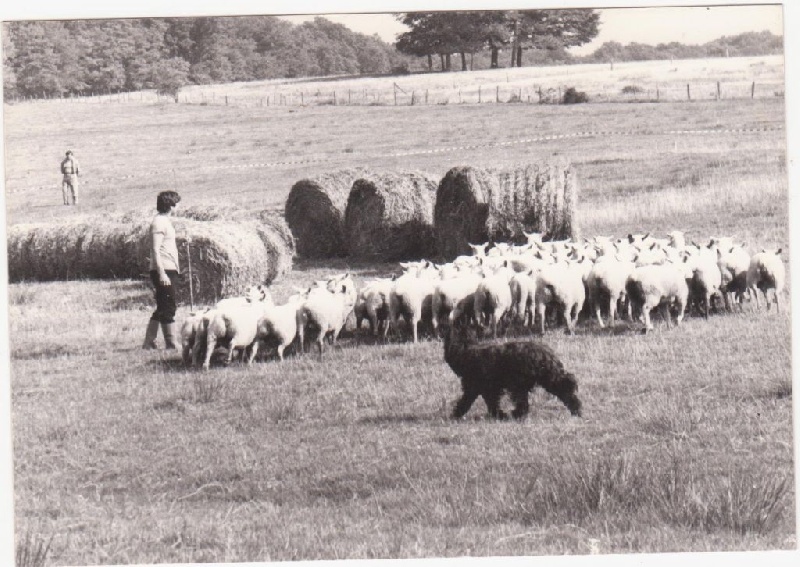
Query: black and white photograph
{"x":306,"y":281}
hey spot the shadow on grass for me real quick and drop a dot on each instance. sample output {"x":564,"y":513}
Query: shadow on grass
{"x":393,"y":419}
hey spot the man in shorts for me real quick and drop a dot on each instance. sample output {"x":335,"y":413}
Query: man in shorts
{"x":164,"y":271}
{"x":69,"y":183}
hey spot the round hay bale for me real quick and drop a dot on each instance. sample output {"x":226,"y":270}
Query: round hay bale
{"x":389,"y":217}
{"x":315,"y":211}
{"x":225,"y":257}
{"x":475,"y":205}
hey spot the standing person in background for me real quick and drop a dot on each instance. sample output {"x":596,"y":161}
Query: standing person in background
{"x":69,"y":183}
{"x":164,"y":271}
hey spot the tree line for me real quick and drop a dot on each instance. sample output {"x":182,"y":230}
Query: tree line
{"x":80,"y":57}
{"x":64,"y":58}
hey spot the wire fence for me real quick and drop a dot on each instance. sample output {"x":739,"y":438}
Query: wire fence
{"x":395,"y":95}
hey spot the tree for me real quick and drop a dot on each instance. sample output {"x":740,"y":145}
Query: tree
{"x":551,"y":29}
{"x":9,"y":53}
{"x":169,"y":75}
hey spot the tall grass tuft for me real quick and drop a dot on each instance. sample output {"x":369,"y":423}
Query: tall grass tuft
{"x":207,"y":389}
{"x":32,"y":551}
{"x":620,"y":488}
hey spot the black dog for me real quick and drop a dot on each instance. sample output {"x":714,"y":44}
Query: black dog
{"x":489,"y":369}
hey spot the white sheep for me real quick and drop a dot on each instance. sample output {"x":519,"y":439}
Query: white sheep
{"x":703,"y":277}
{"x":661,"y":284}
{"x":523,"y":289}
{"x":190,"y":328}
{"x":412,"y":296}
{"x":236,"y":325}
{"x":279,"y":323}
{"x":767,"y":272}
{"x":193,"y":331}
{"x":733,"y":263}
{"x":606,"y":282}
{"x":372,"y":304}
{"x":560,"y":284}
{"x":493,"y":298}
{"x":326,"y":310}
{"x":447,"y":294}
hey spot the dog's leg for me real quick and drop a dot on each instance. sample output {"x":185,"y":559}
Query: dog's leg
{"x":492,"y":399}
{"x":521,"y":404}
{"x":465,"y":402}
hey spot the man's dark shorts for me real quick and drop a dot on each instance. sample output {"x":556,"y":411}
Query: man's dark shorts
{"x":165,"y":297}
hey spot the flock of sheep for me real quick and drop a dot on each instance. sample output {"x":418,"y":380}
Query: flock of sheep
{"x":497,"y":286}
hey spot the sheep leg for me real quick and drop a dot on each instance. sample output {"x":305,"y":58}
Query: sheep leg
{"x":612,"y":310}
{"x":541,"y":308}
{"x":186,"y":355}
{"x":665,"y":314}
{"x":754,"y":293}
{"x":599,"y":316}
{"x":253,"y":351}
{"x":568,"y":319}
{"x":414,"y":322}
{"x":231,"y":350}
{"x":465,"y":402}
{"x":211,"y":342}
{"x":648,"y":324}
{"x":281,"y":347}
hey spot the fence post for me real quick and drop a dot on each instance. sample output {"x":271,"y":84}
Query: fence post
{"x":395,"y":95}
{"x":688,"y":92}
{"x":540,"y":94}
{"x":334,"y":98}
{"x":302,"y":99}
{"x":348,"y":97}
{"x":719,"y":93}
{"x":753,"y":90}
{"x":412,"y":98}
{"x":497,"y":94}
{"x":226,"y":100}
{"x":459,"y":96}
{"x":657,"y":93}
{"x":426,"y":96}
{"x":479,"y":94}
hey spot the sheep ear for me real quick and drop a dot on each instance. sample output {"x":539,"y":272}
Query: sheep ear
{"x":719,"y":253}
{"x":631,"y":238}
{"x":652,"y":246}
{"x":530,"y":272}
{"x":344,"y":288}
{"x":778,"y":251}
{"x":646,"y":236}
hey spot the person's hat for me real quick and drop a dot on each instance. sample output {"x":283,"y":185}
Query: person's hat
{"x":69,"y":152}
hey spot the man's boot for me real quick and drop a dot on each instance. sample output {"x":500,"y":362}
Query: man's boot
{"x":169,"y":335}
{"x":151,"y":335}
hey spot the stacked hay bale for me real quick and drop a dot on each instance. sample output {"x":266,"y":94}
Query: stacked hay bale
{"x":389,"y":217}
{"x":315,"y":211}
{"x":96,"y":250}
{"x":225,"y":255}
{"x":476,"y":205}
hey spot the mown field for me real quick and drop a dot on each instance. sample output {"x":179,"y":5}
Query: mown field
{"x":124,"y":456}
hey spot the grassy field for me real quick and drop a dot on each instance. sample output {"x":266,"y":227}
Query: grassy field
{"x":122,"y":456}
